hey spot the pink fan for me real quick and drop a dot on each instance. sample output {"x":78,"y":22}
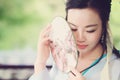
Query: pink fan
{"x":65,"y":52}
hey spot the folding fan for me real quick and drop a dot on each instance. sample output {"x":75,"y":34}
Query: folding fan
{"x":64,"y":50}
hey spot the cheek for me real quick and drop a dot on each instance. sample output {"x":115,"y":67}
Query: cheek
{"x":75,"y":34}
{"x":89,"y":37}
{"x":94,"y":38}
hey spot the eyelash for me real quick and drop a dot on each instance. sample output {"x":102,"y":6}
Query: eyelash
{"x":74,"y":29}
{"x":91,"y":31}
{"x":87,"y":31}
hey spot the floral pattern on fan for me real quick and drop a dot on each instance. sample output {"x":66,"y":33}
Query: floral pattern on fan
{"x":64,"y":48}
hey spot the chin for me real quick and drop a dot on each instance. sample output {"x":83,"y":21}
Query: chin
{"x":83,"y":51}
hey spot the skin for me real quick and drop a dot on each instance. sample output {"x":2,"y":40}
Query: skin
{"x":87,"y":29}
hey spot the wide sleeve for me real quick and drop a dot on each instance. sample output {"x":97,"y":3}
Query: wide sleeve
{"x":43,"y":75}
{"x":115,"y":69}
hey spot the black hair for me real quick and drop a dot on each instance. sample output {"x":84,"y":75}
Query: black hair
{"x":103,"y":7}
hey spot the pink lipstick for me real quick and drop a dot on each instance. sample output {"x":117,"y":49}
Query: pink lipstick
{"x":82,"y":46}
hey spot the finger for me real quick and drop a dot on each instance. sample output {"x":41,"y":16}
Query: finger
{"x":44,"y":41}
{"x":45,"y":31}
{"x":72,"y":74}
{"x":51,"y":46}
{"x":73,"y":70}
{"x":47,"y":27}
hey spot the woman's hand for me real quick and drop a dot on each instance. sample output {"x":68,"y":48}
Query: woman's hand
{"x":75,"y":75}
{"x":43,"y":50}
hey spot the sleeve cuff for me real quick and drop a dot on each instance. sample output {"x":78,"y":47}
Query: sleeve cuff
{"x":43,"y":75}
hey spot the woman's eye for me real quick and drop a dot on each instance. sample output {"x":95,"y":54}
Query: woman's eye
{"x":74,"y":29}
{"x":91,"y":31}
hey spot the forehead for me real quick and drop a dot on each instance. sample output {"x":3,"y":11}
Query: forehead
{"x":83,"y":17}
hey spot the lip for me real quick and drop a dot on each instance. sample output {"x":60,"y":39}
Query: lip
{"x":81,"y":46}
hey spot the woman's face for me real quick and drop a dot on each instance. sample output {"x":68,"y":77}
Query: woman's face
{"x":87,"y":28}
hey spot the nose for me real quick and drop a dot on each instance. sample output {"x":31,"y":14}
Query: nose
{"x":81,"y":36}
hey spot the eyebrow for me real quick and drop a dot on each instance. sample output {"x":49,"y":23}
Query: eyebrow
{"x":72,"y":24}
{"x":91,"y":25}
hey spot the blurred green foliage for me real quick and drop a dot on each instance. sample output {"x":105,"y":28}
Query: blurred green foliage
{"x":115,"y":22}
{"x":22,"y":20}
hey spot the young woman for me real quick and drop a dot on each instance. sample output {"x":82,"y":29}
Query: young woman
{"x":98,"y":59}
